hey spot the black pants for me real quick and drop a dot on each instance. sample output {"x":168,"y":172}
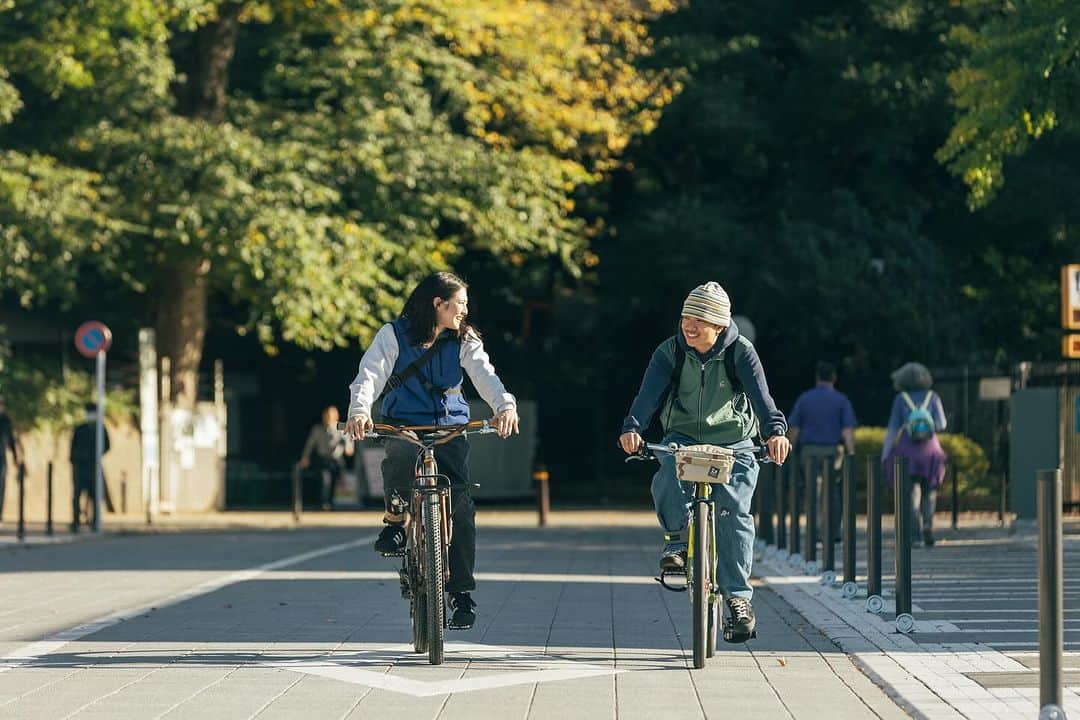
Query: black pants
{"x":3,"y":479}
{"x":398,"y":471}
{"x":329,"y":473}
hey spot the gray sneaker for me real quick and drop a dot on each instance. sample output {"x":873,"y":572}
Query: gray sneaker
{"x":741,"y":624}
{"x":673,"y":558}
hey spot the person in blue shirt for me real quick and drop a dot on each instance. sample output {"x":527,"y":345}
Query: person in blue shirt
{"x":925,"y":457}
{"x":822,"y":425}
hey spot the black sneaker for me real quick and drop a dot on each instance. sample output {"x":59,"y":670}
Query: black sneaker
{"x":928,"y":538}
{"x":741,"y":624}
{"x":464,"y":615}
{"x":391,"y":541}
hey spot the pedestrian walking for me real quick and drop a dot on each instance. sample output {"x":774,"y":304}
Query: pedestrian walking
{"x":916,"y":419}
{"x":8,"y":442}
{"x":83,"y":467}
{"x":822,"y":425}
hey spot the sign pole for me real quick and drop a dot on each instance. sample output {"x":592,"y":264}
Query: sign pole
{"x":99,"y":442}
{"x":93,"y":339}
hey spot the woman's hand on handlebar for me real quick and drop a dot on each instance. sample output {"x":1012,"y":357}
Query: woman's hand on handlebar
{"x":630,"y":442}
{"x":506,"y":422}
{"x":358,"y":426}
{"x":779,"y":447}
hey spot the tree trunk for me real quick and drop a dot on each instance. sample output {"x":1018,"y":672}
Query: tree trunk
{"x":181,"y":320}
{"x":214,"y":44}
{"x":181,"y":326}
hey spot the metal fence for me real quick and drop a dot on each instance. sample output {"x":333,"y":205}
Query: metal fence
{"x":976,"y":403}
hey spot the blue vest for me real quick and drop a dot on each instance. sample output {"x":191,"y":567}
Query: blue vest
{"x":432,"y":396}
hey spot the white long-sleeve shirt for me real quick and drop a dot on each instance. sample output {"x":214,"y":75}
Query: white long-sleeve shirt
{"x":377,"y":365}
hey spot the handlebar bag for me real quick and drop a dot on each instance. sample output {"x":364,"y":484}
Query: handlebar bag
{"x":704,"y":464}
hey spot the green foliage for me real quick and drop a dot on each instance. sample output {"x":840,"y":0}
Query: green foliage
{"x":1017,"y":84}
{"x":360,"y":147}
{"x":977,"y":488}
{"x":40,"y":398}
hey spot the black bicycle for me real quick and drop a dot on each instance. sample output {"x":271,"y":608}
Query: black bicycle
{"x":705,"y":466}
{"x":425,"y":564}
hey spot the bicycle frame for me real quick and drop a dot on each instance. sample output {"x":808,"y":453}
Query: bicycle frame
{"x":425,"y":567}
{"x":700,"y":576}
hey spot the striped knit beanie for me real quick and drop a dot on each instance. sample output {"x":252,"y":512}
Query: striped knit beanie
{"x":710,"y":303}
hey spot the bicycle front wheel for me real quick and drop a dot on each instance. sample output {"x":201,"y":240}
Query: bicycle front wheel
{"x":434,"y":578}
{"x":702,"y":582}
{"x":712,"y":598}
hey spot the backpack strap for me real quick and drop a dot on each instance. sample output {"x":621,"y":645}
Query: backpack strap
{"x":398,"y":379}
{"x":729,"y":367}
{"x":678,"y":359}
{"x":908,"y":400}
{"x":925,"y":404}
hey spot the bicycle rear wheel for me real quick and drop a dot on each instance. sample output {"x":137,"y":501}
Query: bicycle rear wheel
{"x":434,"y":578}
{"x":701,"y":585}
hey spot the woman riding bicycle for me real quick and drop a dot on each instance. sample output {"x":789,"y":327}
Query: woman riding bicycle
{"x":420,"y":359}
{"x":709,"y":386}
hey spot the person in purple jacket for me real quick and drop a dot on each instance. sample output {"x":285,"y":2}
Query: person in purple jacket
{"x":925,"y":457}
{"x":822,"y":425}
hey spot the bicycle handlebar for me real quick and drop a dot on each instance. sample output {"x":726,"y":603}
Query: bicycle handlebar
{"x":421,"y":435}
{"x":648,"y":451}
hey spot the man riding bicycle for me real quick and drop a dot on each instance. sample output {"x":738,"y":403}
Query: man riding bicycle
{"x":709,"y":386}
{"x":421,"y":359}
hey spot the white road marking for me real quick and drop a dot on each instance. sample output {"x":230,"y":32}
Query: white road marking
{"x":54,"y":642}
{"x":549,"y":670}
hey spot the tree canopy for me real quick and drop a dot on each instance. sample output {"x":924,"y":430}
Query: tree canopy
{"x":307,"y":161}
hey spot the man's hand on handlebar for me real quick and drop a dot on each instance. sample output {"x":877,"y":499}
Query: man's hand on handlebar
{"x":779,"y":447}
{"x":358,"y":426}
{"x":506,"y":422}
{"x":630,"y":442}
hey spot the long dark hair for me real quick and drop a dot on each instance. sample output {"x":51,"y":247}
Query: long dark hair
{"x":420,"y":309}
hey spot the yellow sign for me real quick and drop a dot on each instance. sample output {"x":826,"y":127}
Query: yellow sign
{"x":1070,"y":348}
{"x":1070,"y":297}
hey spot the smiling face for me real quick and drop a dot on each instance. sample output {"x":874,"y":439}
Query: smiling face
{"x":451,"y":313}
{"x":700,"y":335}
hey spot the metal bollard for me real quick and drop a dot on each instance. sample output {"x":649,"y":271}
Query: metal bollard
{"x":828,"y":549}
{"x":297,"y":496}
{"x":810,"y":496}
{"x":1004,"y":496}
{"x":850,"y":588}
{"x":768,"y":526}
{"x":20,"y":531}
{"x":1051,"y":594}
{"x":48,"y":499}
{"x":794,"y":516}
{"x":123,"y":493}
{"x":543,"y":497}
{"x":955,"y":497}
{"x":905,"y":623}
{"x":780,"y":478}
{"x":874,"y":602}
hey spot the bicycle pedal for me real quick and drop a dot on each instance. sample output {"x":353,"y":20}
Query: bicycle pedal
{"x":459,"y":627}
{"x":393,"y":554}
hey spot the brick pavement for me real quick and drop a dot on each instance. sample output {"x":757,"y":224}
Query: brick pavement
{"x":279,"y":623}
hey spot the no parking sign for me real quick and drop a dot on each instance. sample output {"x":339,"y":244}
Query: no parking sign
{"x":93,"y":338}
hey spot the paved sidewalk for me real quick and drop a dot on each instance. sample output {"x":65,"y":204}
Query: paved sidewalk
{"x":973,"y":653}
{"x":291,"y":622}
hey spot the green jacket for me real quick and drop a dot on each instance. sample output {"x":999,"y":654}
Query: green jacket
{"x":704,"y":407}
